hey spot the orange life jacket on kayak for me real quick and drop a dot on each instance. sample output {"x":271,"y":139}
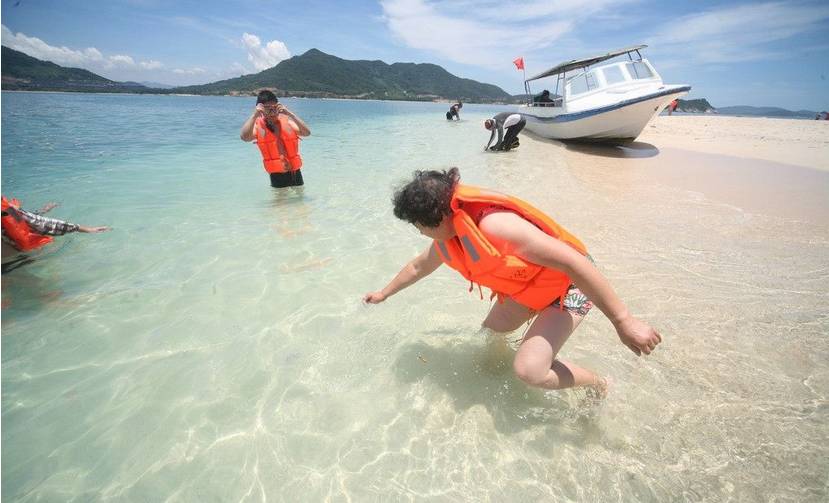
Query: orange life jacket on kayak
{"x":479,"y":261}
{"x":16,"y":228}
{"x":267,"y":142}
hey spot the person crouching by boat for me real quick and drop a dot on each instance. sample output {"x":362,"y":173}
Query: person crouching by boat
{"x":276,"y":131}
{"x":26,"y":231}
{"x":539,"y":272}
{"x":513,"y":123}
{"x":454,"y":111}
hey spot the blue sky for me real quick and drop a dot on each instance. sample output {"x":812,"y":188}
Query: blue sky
{"x":731,"y":52}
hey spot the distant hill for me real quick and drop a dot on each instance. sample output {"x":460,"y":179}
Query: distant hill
{"x":23,"y":72}
{"x":699,"y":106}
{"x":156,"y":85}
{"x":317,"y":74}
{"x":766,"y":112}
{"x":703,"y":106}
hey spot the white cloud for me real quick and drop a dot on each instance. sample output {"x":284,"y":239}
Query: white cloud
{"x":151,"y":65}
{"x":747,"y":32}
{"x":189,"y":71}
{"x":122,"y":60}
{"x":486,"y":33}
{"x":264,"y":56}
{"x":534,"y":10}
{"x":236,"y":69}
{"x":89,"y":58}
{"x":37,"y":48}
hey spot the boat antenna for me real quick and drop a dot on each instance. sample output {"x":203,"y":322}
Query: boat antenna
{"x":526,"y":84}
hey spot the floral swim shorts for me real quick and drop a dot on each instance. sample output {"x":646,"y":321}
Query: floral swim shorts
{"x":575,"y":301}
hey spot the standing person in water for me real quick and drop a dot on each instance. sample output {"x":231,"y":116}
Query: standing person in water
{"x":454,"y":111}
{"x":513,"y":122}
{"x":276,"y":131}
{"x":532,"y":265}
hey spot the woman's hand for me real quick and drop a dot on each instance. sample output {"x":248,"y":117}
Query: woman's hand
{"x":638,"y":336}
{"x":93,"y":230}
{"x":374,"y":297}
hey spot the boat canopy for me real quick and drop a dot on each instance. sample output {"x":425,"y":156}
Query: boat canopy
{"x":581,"y":63}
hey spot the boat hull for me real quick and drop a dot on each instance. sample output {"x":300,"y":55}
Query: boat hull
{"x":620,"y":122}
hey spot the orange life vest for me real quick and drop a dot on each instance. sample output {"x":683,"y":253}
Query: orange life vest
{"x":479,"y":261}
{"x":16,"y":228}
{"x":267,"y":142}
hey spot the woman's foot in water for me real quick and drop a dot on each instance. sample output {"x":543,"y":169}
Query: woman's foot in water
{"x":599,"y":389}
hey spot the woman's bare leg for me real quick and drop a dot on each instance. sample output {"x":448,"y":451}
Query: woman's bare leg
{"x":535,"y":362}
{"x":506,"y":316}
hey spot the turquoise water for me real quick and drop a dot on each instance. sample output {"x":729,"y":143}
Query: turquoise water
{"x":213,"y":345}
{"x":218,"y":327}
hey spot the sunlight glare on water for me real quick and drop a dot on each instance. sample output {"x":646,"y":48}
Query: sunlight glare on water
{"x":213,"y":345}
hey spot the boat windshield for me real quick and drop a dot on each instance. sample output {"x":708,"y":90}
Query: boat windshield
{"x":613,"y":74}
{"x":639,"y":70}
{"x":583,"y":82}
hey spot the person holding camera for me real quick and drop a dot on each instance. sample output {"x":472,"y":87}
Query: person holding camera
{"x":276,"y":131}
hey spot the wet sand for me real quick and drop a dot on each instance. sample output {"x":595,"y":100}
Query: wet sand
{"x":754,"y":185}
{"x":727,"y":257}
{"x":787,"y":141}
{"x":775,"y":167}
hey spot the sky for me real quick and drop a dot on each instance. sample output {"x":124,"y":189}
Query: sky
{"x":760,"y":53}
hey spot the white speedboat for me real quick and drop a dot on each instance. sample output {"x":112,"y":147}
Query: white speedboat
{"x":612,"y":102}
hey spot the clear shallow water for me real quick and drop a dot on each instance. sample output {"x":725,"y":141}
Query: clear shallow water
{"x":213,"y":346}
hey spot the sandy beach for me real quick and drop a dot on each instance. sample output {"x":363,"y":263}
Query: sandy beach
{"x":787,"y":141}
{"x":714,"y":229}
{"x":776,"y":167}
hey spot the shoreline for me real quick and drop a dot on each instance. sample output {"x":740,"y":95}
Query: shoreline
{"x":786,"y":141}
{"x":777,"y":168}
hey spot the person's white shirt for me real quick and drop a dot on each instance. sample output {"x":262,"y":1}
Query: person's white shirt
{"x":512,"y":120}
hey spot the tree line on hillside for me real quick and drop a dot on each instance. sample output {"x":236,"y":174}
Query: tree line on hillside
{"x":313,"y":74}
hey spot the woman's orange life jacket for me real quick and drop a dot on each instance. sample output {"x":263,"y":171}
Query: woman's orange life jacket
{"x":479,"y":261}
{"x":16,"y":228}
{"x":267,"y":142}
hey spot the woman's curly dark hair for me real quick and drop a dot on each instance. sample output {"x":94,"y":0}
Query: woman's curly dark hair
{"x":425,"y":200}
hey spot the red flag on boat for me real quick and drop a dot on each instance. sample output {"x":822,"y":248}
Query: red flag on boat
{"x":519,"y":63}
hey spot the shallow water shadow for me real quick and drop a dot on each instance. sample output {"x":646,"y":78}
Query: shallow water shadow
{"x":287,"y":196}
{"x":627,"y":150}
{"x":291,"y":212}
{"x":25,"y":294}
{"x":632,"y":150}
{"x":475,"y":374}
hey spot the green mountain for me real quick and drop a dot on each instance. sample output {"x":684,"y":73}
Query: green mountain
{"x":702,"y":106}
{"x":23,"y":72}
{"x":695,"y":106}
{"x":316,"y":74}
